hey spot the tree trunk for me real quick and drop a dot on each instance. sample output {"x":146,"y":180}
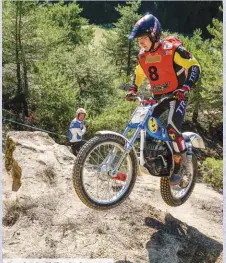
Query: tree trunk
{"x":18,"y":65}
{"x":25,"y":87}
{"x":18,"y":69}
{"x":24,"y":90}
{"x":196,"y":111}
{"x":25,"y":80}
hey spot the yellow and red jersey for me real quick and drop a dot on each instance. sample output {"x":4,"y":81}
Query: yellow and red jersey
{"x":167,"y":68}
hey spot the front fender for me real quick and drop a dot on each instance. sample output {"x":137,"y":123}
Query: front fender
{"x":196,"y":140}
{"x":111,"y":132}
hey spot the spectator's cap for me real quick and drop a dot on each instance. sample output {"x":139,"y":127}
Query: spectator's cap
{"x":79,"y":111}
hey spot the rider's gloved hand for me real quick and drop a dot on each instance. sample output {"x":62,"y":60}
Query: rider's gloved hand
{"x":182,"y":93}
{"x":132,"y":92}
{"x":148,"y":102}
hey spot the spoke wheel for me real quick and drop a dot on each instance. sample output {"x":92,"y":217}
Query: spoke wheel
{"x":92,"y":177}
{"x":178,"y":194}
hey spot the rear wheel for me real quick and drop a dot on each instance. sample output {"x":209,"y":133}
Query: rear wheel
{"x":92,"y":178}
{"x":178,"y":194}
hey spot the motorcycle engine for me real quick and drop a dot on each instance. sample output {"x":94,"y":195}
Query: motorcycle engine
{"x":157,"y":157}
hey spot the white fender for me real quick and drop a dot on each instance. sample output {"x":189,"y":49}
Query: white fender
{"x":196,"y":140}
{"x":111,"y":132}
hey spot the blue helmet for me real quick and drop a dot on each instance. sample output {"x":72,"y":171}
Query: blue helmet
{"x":148,"y":25}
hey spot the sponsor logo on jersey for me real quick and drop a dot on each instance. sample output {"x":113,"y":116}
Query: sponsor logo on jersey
{"x":167,"y":52}
{"x":168,"y":46}
{"x":158,"y":88}
{"x":151,"y":58}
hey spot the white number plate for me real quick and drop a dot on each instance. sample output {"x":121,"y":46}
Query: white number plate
{"x":139,"y":115}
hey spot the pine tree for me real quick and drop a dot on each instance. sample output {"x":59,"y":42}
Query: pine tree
{"x":68,"y":17}
{"x":214,"y":80}
{"x":117,"y":46}
{"x":17,"y":30}
{"x":31,"y":32}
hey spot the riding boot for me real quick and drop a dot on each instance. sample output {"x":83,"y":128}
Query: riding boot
{"x":179,"y":159}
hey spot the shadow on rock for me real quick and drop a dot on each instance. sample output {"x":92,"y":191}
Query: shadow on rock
{"x":175,"y":241}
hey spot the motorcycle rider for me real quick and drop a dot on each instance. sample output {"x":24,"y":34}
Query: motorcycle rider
{"x":170,"y":69}
{"x":76,"y":130}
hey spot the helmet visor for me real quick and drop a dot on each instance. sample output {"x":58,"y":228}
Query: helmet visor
{"x":134,"y":32}
{"x":137,"y":32}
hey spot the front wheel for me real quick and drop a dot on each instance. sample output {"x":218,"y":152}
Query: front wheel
{"x":178,"y":194}
{"x":92,"y":178}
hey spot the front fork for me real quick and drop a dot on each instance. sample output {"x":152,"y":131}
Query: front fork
{"x":142,"y":140}
{"x":128,"y":147}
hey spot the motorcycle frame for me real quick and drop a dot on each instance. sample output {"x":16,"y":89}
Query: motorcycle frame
{"x":142,"y":129}
{"x":193,"y":139}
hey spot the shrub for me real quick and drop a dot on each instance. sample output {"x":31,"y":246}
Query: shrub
{"x":113,"y":118}
{"x":212,"y":171}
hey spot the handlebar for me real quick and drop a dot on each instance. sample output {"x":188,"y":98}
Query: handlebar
{"x":163,"y":97}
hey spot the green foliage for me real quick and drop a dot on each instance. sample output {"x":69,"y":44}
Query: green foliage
{"x":117,"y":46}
{"x":46,"y":35}
{"x":217,"y":31}
{"x":212,"y":171}
{"x":215,"y":85}
{"x":67,"y":80}
{"x":19,"y":27}
{"x":66,"y":68}
{"x":43,"y":28}
{"x":98,"y":35}
{"x":210,"y":56}
{"x":113,"y":118}
{"x":53,"y":96}
{"x":94,"y":78}
{"x":206,"y":99}
{"x":68,"y":18}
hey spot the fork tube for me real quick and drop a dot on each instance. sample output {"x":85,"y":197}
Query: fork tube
{"x":133,"y":139}
{"x":125,"y":131}
{"x":128,"y":147}
{"x":142,"y":147}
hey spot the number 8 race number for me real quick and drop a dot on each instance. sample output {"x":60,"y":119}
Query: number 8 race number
{"x":153,"y":73}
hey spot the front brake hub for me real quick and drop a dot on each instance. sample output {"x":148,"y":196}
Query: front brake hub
{"x":120,"y":177}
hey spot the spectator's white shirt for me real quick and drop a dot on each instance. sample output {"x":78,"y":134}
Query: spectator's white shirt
{"x":76,"y":130}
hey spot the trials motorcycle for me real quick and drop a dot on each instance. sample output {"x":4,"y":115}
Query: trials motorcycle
{"x":106,"y":167}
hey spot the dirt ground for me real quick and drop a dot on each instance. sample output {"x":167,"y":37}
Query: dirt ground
{"x":44,"y":218}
